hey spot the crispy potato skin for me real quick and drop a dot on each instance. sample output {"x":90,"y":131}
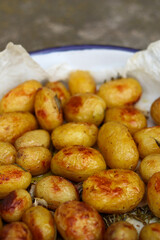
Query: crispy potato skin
{"x":74,"y":134}
{"x":155,"y":111}
{"x":81,"y":82}
{"x":77,"y":163}
{"x":146,"y":141}
{"x":150,"y":232}
{"x":56,"y":190}
{"x":113,"y":191}
{"x":132,"y":118}
{"x":117,"y":146}
{"x":15,"y":231}
{"x":85,"y":107}
{"x":79,"y":221}
{"x":121,"y":230}
{"x":21,"y":98}
{"x":7,"y":153}
{"x":14,"y":205}
{"x":12,"y":178}
{"x":40,"y":222}
{"x":36,"y":160}
{"x":13,"y":125}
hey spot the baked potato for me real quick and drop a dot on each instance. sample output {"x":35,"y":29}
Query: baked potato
{"x":150,"y":232}
{"x":7,"y":153}
{"x":155,"y":111}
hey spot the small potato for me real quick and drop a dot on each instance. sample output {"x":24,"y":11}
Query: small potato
{"x":21,"y":98}
{"x":120,"y":92}
{"x":13,"y":125}
{"x":150,"y":232}
{"x":155,"y":111}
{"x":15,"y":231}
{"x":40,"y":222}
{"x":148,"y":141}
{"x":48,"y":109}
{"x":81,"y":82}
{"x":113,"y":191}
{"x":35,"y":138}
{"x":36,"y":160}
{"x":132,"y":118}
{"x":85,"y":107}
{"x":56,"y":190}
{"x":15,"y":204}
{"x":60,"y":90}
{"x":12,"y":178}
{"x":117,"y":146}
{"x":121,"y":230}
{"x":77,"y":163}
{"x":79,"y":221}
{"x":7,"y":153}
{"x":74,"y":134}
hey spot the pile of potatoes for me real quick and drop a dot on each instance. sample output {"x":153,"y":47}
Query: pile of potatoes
{"x":72,"y":135}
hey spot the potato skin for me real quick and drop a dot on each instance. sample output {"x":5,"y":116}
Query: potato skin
{"x":155,"y":111}
{"x":131,"y":117}
{"x":77,"y":163}
{"x":15,"y":204}
{"x":117,"y":146}
{"x":12,"y":178}
{"x":79,"y":221}
{"x":36,"y":160}
{"x":47,"y":109}
{"x":74,"y":134}
{"x":120,"y":92}
{"x":56,"y":190}
{"x":20,"y":98}
{"x":40,"y":222}
{"x":150,"y":232}
{"x":85,"y":107}
{"x":13,"y":125}
{"x":7,"y":153}
{"x":113,"y":191}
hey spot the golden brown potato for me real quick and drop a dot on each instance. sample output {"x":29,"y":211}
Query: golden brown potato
{"x":148,"y":141}
{"x":13,"y":125}
{"x":77,"y":163}
{"x":7,"y":153}
{"x":60,"y":90}
{"x":155,"y":111}
{"x":121,"y":230}
{"x":85,"y":107}
{"x":15,"y":204}
{"x":56,"y":190}
{"x":20,"y":98}
{"x":129,"y":116}
{"x":113,"y":191}
{"x":150,"y":232}
{"x":15,"y":231}
{"x":117,"y":146}
{"x":74,"y":134}
{"x":36,"y":160}
{"x":120,"y":92}
{"x":48,"y":109}
{"x":81,"y":82}
{"x":13,"y":177}
{"x":40,"y":222}
{"x":79,"y":221}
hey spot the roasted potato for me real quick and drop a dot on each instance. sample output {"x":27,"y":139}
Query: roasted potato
{"x":14,"y":205}
{"x":13,"y":177}
{"x":20,"y":98}
{"x":40,"y":222}
{"x":77,"y":163}
{"x":48,"y":109}
{"x":150,"y":232}
{"x":79,"y":221}
{"x":7,"y":153}
{"x":35,"y":160}
{"x":117,"y":146}
{"x":74,"y":134}
{"x":85,"y":107}
{"x":13,"y":125}
{"x":113,"y":191}
{"x":56,"y":190}
{"x":155,"y":111}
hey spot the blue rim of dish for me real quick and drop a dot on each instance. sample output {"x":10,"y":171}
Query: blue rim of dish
{"x":83,"y":47}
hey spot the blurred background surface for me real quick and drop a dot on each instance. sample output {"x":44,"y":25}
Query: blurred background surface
{"x":39,"y":24}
